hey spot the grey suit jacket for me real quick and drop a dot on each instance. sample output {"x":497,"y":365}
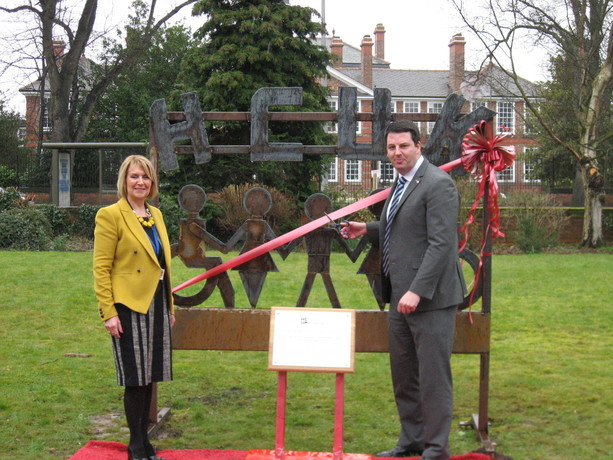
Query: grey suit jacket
{"x":423,"y":242}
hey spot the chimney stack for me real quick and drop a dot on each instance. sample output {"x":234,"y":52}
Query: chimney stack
{"x":456,"y":62}
{"x":380,"y":41}
{"x":58,"y":48}
{"x":366,"y":46}
{"x":336,"y":48}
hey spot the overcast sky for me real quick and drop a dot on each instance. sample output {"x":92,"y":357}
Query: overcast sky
{"x":417,"y":34}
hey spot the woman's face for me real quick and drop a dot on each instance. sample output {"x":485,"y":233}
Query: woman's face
{"x":138,"y":184}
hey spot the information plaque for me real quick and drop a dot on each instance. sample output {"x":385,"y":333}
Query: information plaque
{"x":312,"y":340}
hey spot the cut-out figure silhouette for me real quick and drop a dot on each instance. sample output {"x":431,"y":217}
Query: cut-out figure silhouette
{"x":371,"y":265}
{"x":255,"y":231}
{"x":191,"y":249}
{"x":319,"y":246}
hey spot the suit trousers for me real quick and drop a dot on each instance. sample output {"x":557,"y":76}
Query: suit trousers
{"x":420,"y":353}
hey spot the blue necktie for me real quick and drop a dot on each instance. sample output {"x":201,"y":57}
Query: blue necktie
{"x":392,"y":212}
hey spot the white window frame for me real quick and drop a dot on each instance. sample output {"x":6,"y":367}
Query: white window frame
{"x":507,"y":175}
{"x":434,"y":107}
{"x":46,"y":117}
{"x":505,"y":117}
{"x":358,"y":173}
{"x":386,"y":172}
{"x":529,"y":120}
{"x":406,"y":105}
{"x":332,"y":173}
{"x":332,"y":127}
{"x":528,"y":165}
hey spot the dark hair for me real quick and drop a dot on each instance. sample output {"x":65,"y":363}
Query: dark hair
{"x":403,"y":126}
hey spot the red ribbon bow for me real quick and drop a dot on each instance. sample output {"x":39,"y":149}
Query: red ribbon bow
{"x":482,"y":156}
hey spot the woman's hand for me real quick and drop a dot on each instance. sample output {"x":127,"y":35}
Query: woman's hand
{"x":113,"y":326}
{"x":172,"y":320}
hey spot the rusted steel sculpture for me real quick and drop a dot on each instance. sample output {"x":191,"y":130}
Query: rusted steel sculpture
{"x":371,"y":265}
{"x":319,"y":247}
{"x":255,"y":231}
{"x":247,"y":329}
{"x":191,"y":249}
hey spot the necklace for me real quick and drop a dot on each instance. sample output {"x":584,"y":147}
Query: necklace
{"x":145,"y":223}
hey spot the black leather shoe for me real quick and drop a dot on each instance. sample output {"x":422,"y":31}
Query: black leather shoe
{"x":400,"y":452}
{"x":137,"y":454}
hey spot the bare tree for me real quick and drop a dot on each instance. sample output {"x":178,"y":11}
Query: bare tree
{"x":579,"y":33}
{"x":72,"y":93}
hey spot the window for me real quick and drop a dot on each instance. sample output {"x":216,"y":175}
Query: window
{"x":433,"y":107}
{"x":411,"y":107}
{"x":529,"y":122}
{"x":393,"y":106}
{"x":387,"y":172}
{"x":46,"y":119}
{"x":476,"y":104}
{"x":332,"y":127}
{"x":358,"y":125}
{"x":353,"y":171}
{"x":506,"y":117}
{"x":531,"y":162}
{"x":332,"y":174}
{"x":507,"y":175}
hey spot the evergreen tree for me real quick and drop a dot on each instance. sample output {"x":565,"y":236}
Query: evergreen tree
{"x":246,"y":45}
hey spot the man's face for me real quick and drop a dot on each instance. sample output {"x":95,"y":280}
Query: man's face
{"x":402,"y":152}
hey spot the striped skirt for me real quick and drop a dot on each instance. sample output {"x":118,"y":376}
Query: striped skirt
{"x":143,"y":354}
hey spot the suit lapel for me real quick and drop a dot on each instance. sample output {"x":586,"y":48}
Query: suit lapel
{"x":417,"y":179}
{"x":136,"y":228}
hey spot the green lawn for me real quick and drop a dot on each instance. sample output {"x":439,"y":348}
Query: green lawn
{"x":551,"y":376}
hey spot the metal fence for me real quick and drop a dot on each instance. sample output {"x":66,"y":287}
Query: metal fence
{"x":94,"y":171}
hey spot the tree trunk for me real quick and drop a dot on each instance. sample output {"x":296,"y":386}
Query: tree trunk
{"x":594,"y":199}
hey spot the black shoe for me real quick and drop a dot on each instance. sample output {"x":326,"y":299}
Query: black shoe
{"x":139,"y":454}
{"x":400,"y":452}
{"x":150,"y":450}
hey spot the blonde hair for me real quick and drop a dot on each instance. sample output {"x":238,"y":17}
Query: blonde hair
{"x":145,"y":165}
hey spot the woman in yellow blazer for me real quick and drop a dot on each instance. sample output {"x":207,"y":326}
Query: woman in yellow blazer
{"x":132,"y":283}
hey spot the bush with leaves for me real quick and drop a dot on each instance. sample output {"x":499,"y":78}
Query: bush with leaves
{"x":172,"y":215}
{"x":537,"y":220}
{"x":58,"y":218}
{"x":282,"y":217}
{"x":24,"y":228}
{"x":8,"y":177}
{"x":85,"y":223}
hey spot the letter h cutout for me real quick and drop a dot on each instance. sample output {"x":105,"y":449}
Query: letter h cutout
{"x":165,"y":134}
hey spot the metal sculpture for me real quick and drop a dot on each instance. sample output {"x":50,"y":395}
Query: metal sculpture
{"x":191,"y":249}
{"x":255,"y":231}
{"x":319,"y":246}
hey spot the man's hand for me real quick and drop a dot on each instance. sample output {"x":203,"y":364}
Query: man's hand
{"x":352,"y":230}
{"x":408,"y":303}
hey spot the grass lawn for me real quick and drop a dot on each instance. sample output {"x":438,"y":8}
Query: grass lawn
{"x":551,"y":376}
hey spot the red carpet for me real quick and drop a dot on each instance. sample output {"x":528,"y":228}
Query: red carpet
{"x":104,"y":450}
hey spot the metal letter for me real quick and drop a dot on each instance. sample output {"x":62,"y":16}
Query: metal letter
{"x":348,"y":148}
{"x":165,"y":134}
{"x":261,"y":149}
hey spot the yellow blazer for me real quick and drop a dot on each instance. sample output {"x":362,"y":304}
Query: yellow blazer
{"x":126,"y":269}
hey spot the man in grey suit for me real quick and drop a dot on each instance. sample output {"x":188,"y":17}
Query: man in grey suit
{"x":422,"y":280}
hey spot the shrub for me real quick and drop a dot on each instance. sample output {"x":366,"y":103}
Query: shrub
{"x":172,"y":215}
{"x":8,"y":177}
{"x":282,"y":216}
{"x":11,"y":198}
{"x":24,"y":228}
{"x":58,"y":218}
{"x":86,"y":221}
{"x":537,"y":219}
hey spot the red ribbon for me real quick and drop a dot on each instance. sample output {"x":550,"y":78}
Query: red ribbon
{"x":482,"y":156}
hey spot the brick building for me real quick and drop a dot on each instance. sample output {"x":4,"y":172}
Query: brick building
{"x":424,"y":91}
